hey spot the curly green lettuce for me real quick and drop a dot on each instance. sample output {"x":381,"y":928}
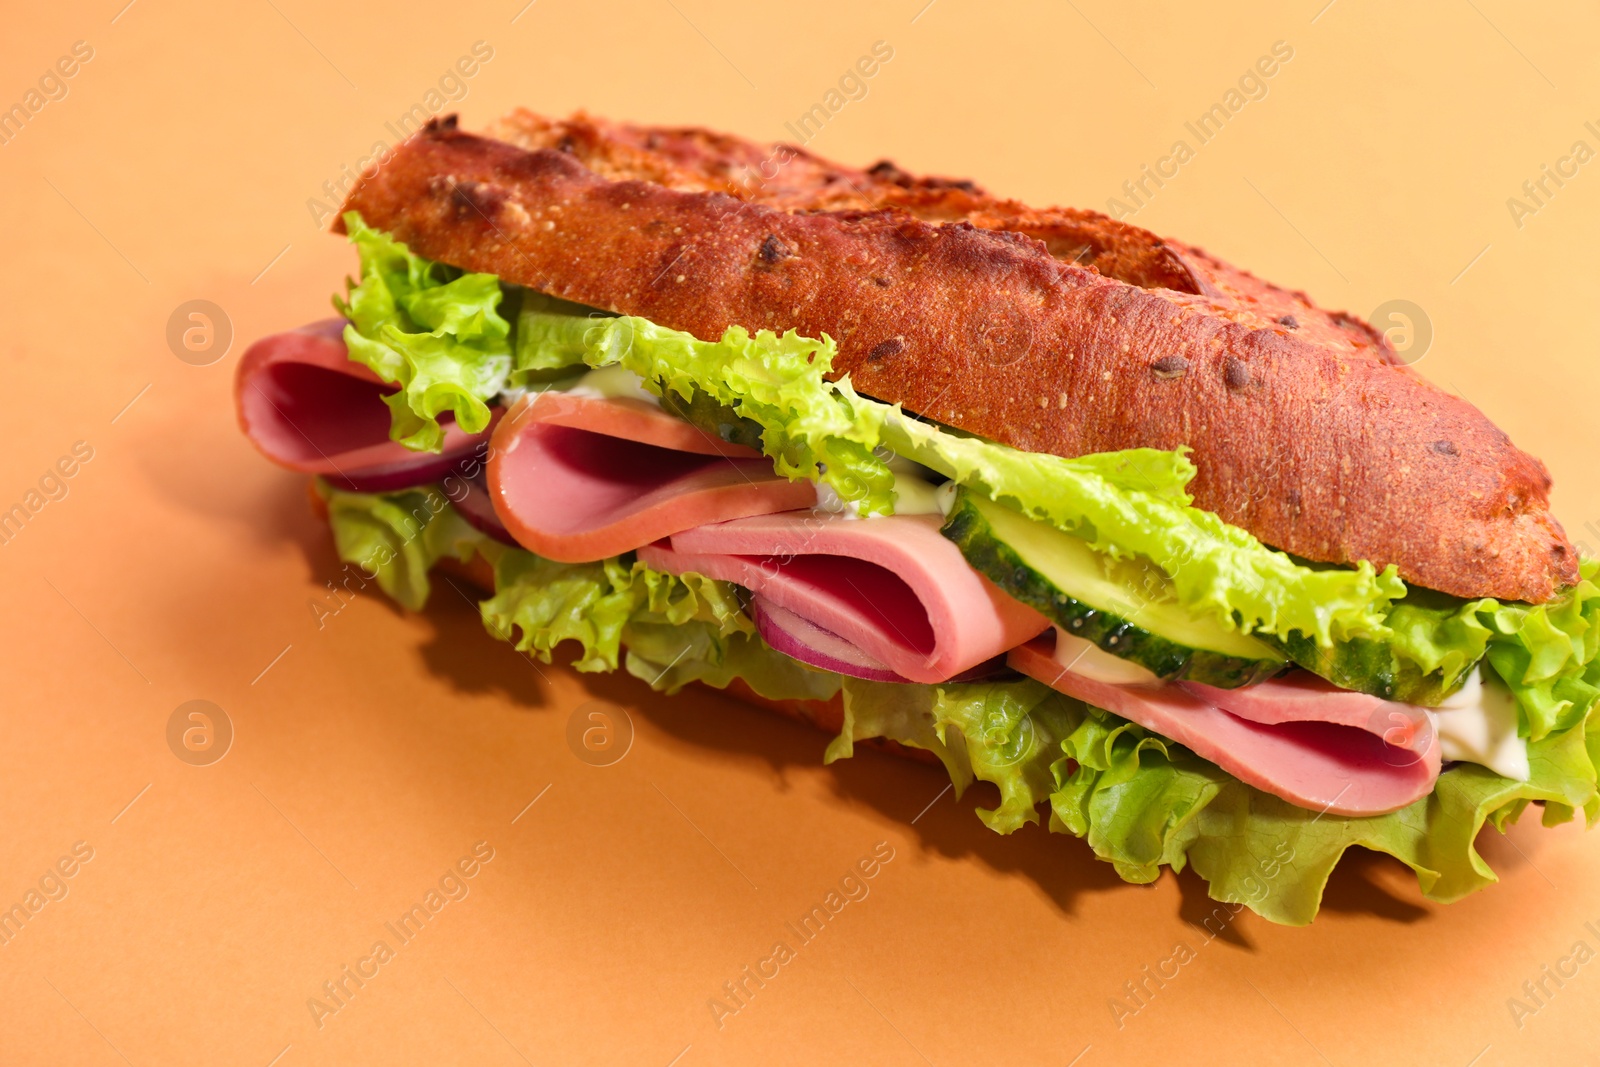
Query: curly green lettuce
{"x":1549,"y":654}
{"x":539,"y":603}
{"x":668,"y":657}
{"x":396,"y":538}
{"x":676,"y":629}
{"x":433,"y":330}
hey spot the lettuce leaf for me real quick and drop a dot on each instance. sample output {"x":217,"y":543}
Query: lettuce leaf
{"x":902,"y":713}
{"x":677,"y":628}
{"x":1132,"y":795}
{"x":539,"y":603}
{"x":668,"y":657}
{"x":1143,"y":803}
{"x":1549,"y":654}
{"x":431,"y":329}
{"x":398,"y":537}
{"x":1257,"y":850}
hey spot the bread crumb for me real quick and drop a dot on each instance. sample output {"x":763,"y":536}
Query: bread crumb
{"x":1062,"y":402}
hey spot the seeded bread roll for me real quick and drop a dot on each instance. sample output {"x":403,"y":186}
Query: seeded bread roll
{"x":1054,"y":331}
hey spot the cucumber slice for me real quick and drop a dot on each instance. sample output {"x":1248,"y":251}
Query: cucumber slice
{"x":1101,"y":600}
{"x":1368,"y":666}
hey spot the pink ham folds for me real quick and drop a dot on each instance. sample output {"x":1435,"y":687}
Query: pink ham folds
{"x":891,"y":588}
{"x":580,"y":478}
{"x":1300,"y":738}
{"x":308,"y":407}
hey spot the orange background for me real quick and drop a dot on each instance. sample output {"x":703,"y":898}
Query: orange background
{"x":380,"y":747}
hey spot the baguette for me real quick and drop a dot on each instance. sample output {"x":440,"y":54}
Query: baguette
{"x":971,"y":311}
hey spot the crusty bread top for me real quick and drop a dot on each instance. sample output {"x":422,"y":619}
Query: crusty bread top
{"x":982,"y":313}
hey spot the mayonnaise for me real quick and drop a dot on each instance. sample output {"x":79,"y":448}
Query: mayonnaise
{"x":1479,"y":725}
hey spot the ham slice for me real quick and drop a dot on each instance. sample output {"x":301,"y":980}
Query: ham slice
{"x":1350,"y":761}
{"x":308,"y":407}
{"x":580,"y":478}
{"x":1301,"y":696}
{"x":893,"y":587}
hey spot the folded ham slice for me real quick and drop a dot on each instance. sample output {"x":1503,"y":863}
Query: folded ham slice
{"x":308,"y":407}
{"x":1346,"y":760}
{"x":893,"y":587}
{"x":580,"y":478}
{"x":1301,"y":696}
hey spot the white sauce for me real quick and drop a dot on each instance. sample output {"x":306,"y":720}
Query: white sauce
{"x":832,"y":503}
{"x":1479,"y":725}
{"x":1086,"y":658}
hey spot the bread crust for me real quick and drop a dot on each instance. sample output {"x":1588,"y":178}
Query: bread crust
{"x":1310,"y":435}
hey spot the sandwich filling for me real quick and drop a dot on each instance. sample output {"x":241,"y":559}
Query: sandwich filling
{"x":1073,"y":631}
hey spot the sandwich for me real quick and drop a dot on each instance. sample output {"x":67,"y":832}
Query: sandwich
{"x":1179,"y":562}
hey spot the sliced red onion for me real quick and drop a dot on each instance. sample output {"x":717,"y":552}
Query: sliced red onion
{"x":476,"y":507}
{"x":801,"y":639}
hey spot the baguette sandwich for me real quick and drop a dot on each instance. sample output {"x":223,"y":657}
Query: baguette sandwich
{"x":1197,"y":571}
